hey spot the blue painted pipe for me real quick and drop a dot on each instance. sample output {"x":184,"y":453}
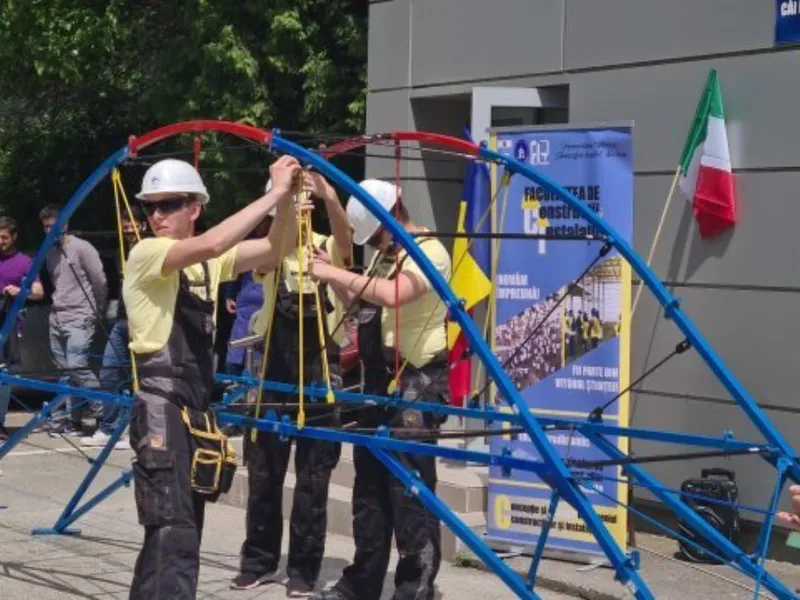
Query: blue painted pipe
{"x":560,"y":476}
{"x":668,"y":301}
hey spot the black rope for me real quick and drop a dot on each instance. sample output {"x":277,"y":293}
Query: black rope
{"x":603,"y":251}
{"x":432,"y":159}
{"x":317,"y":136}
{"x":656,"y":458}
{"x":510,"y":236}
{"x":69,"y":441}
{"x":597,"y":413}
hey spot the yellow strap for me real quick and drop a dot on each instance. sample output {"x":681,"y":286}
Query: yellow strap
{"x":329,"y":397}
{"x":301,"y":412}
{"x":267,"y":338}
{"x":484,"y":216}
{"x":119,"y":190}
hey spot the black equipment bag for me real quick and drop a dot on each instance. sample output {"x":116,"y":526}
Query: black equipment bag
{"x":718,"y":485}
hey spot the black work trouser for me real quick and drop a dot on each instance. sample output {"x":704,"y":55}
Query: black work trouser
{"x":267,"y":463}
{"x":171,"y":513}
{"x":268,"y":460}
{"x":381,"y":508}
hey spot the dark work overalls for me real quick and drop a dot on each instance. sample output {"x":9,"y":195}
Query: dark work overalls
{"x":179,"y":375}
{"x":268,"y":459}
{"x":381,"y":506}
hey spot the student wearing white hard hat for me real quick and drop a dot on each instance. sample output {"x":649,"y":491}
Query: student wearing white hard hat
{"x":381,"y":506}
{"x":170,"y":290}
{"x":267,"y":458}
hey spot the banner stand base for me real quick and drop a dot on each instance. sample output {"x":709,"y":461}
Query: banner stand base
{"x":589,"y":562}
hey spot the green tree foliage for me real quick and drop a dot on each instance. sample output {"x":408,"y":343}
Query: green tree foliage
{"x":80,"y":76}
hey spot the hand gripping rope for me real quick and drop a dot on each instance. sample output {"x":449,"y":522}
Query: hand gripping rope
{"x":567,"y":485}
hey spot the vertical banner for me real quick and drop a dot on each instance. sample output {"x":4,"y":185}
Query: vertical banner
{"x":567,"y":357}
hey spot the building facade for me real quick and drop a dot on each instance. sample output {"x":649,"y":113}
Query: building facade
{"x":645,"y":61}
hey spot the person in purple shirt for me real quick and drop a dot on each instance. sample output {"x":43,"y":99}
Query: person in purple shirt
{"x":14,"y":266}
{"x":243,"y":298}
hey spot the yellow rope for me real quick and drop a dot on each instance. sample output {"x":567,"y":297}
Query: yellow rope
{"x":495,"y":262}
{"x":267,"y":338}
{"x":301,"y":412}
{"x":119,"y":189}
{"x":329,"y":397}
{"x":484,"y":216}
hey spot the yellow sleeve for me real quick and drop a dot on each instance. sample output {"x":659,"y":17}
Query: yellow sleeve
{"x":146,"y":259}
{"x":332,"y":249}
{"x":227,"y":265}
{"x":437,"y":254}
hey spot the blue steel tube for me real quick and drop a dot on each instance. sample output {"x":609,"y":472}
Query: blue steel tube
{"x":59,"y":388}
{"x":560,"y":476}
{"x":68,"y":516}
{"x":26,"y":429}
{"x":420,"y":491}
{"x":671,"y":499}
{"x":386,"y":443}
{"x":50,"y":239}
{"x":668,"y":301}
{"x":685,"y":439}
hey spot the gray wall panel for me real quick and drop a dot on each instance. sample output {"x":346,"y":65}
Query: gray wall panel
{"x":454,"y":43}
{"x":624,"y":31}
{"x":759,"y":97}
{"x":753,"y":332}
{"x":755,"y":477}
{"x":762,"y":249}
{"x":453,"y":40}
{"x":389,"y":35}
{"x":386,"y":111}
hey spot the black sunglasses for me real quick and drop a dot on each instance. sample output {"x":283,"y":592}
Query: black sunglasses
{"x":165,"y":206}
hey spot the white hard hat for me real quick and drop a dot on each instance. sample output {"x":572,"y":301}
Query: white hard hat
{"x":274,"y":210}
{"x":172,"y":175}
{"x":363,"y":222}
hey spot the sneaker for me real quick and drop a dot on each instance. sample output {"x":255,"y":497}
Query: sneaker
{"x":248,"y":581}
{"x":330,"y":594}
{"x":299,"y":588}
{"x":100,"y":439}
{"x":97,"y":440}
{"x":67,"y":429}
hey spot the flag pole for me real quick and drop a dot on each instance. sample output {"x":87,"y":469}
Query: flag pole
{"x":657,"y":235}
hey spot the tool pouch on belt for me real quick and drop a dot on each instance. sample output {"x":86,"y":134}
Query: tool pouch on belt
{"x":213,"y":458}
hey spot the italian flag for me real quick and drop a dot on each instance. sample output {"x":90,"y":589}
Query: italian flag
{"x":705,"y":171}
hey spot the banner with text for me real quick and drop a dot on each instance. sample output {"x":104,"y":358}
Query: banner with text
{"x":563,"y":339}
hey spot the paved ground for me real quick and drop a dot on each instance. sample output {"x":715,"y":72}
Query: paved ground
{"x":41,"y":474}
{"x":36,"y":483}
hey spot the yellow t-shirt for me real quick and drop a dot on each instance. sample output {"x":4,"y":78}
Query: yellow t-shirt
{"x":150,"y":296}
{"x":422,"y":335}
{"x":290,"y":271}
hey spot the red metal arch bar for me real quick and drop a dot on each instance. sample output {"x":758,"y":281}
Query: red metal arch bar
{"x":136,"y":144}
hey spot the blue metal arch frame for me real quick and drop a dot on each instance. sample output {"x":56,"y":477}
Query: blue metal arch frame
{"x":670,"y":303}
{"x":563,"y":483}
{"x":561,"y":476}
{"x":565,"y":487}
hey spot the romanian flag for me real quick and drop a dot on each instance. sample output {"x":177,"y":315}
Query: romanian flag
{"x":471,"y":270}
